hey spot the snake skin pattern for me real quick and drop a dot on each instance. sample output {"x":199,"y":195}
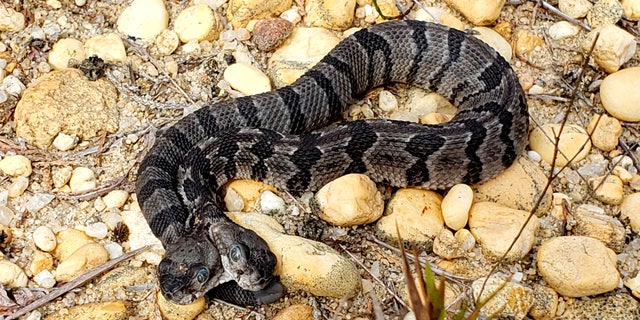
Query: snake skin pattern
{"x":269,"y":137}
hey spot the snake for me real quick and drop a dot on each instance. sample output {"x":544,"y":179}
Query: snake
{"x":292,"y":138}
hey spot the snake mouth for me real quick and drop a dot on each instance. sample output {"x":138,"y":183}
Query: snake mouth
{"x":173,"y":289}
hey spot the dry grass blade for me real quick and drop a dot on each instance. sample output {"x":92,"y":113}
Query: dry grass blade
{"x":420,"y":301}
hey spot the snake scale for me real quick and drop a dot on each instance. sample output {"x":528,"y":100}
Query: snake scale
{"x":270,"y":137}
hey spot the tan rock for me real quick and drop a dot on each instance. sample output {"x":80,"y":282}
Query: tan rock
{"x":479,"y":12}
{"x":66,"y":101}
{"x":12,"y":276}
{"x":167,"y":42}
{"x":575,"y":8}
{"x":604,"y":12}
{"x":631,"y":9}
{"x":44,"y":238}
{"x":295,"y":312}
{"x":11,"y":20}
{"x":238,"y":73}
{"x":174,"y":311}
{"x":417,"y":214}
{"x":495,"y":40}
{"x":455,"y":206}
{"x":303,"y":264}
{"x":563,"y":29}
{"x":332,"y":14}
{"x":634,"y":285}
{"x":619,"y":95}
{"x":590,"y":221}
{"x":242,"y":195}
{"x":299,"y":52}
{"x":40,"y":261}
{"x":604,"y":132}
{"x":630,"y":210}
{"x":350,"y":200}
{"x":16,"y":165}
{"x":115,"y":198}
{"x":82,"y":179}
{"x":446,"y":245}
{"x":107,"y":46}
{"x":519,"y":186}
{"x":577,"y":266}
{"x":614,"y":47}
{"x":112,"y":310}
{"x":526,"y":42}
{"x":512,"y":300}
{"x":240,"y":12}
{"x":574,"y":143}
{"x":197,"y":23}
{"x":607,"y":189}
{"x":17,"y":187}
{"x":80,"y":261}
{"x":495,"y":227}
{"x":614,"y":306}
{"x":70,"y":240}
{"x":64,"y":50}
{"x":143,"y":19}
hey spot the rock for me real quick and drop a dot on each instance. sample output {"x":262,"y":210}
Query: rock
{"x":270,"y":203}
{"x":525,"y":42}
{"x":604,"y":12}
{"x":387,"y":102}
{"x":495,"y":40}
{"x":622,"y":173}
{"x":634,"y":285}
{"x":577,"y":266}
{"x":114,"y":249}
{"x":299,"y":52}
{"x":614,"y":47}
{"x":519,"y":186}
{"x":122,"y":276}
{"x":40,"y":261}
{"x":96,"y":230}
{"x":303,"y":264}
{"x":350,"y":200}
{"x":17,"y":187}
{"x":438,"y":15}
{"x":143,"y":19}
{"x":197,"y":23}
{"x":591,"y":221}
{"x":512,"y":300}
{"x":12,"y":276}
{"x":466,"y":240}
{"x":242,"y":195}
{"x":295,"y":312}
{"x":112,"y":310}
{"x":240,"y":12}
{"x":11,"y":20}
{"x":422,"y":103}
{"x":66,"y":101}
{"x":604,"y":132}
{"x":268,"y":34}
{"x":44,"y":238}
{"x":574,"y":143}
{"x":61,"y":176}
{"x":6,"y":215}
{"x":80,"y":261}
{"x":45,"y":279}
{"x":495,"y":226}
{"x":115,"y":198}
{"x":238,"y":73}
{"x":631,"y":9}
{"x":446,"y":245}
{"x":616,"y":306}
{"x":479,"y":12}
{"x":331,"y":14}
{"x":64,"y":50}
{"x":38,"y":201}
{"x":456,"y":205}
{"x":174,"y":311}
{"x":545,"y":302}
{"x":108,"y":47}
{"x":608,"y":191}
{"x":65,"y":142}
{"x":70,"y":240}
{"x":167,"y":42}
{"x":16,"y":165}
{"x":630,"y":210}
{"x":563,"y":29}
{"x":140,"y":235}
{"x":82,"y":179}
{"x":575,"y":8}
{"x":12,"y":85}
{"x":417,"y":214}
{"x":619,"y":95}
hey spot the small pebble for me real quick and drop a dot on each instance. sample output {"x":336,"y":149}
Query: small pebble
{"x":619,"y":94}
{"x":604,"y":12}
{"x":109,"y":47}
{"x":610,"y":191}
{"x":11,"y":20}
{"x":197,"y":23}
{"x":143,"y":19}
{"x":268,"y":34}
{"x":6,"y":215}
{"x":64,"y":50}
{"x":82,"y":179}
{"x":44,"y":238}
{"x":455,"y":206}
{"x":173,"y":311}
{"x":504,"y":299}
{"x":12,"y":276}
{"x":563,"y":29}
{"x":64,"y":142}
{"x":115,"y":198}
{"x":574,"y":141}
{"x":61,"y":176}
{"x":16,"y":165}
{"x":479,"y":12}
{"x":45,"y":279}
{"x":387,"y":102}
{"x":604,"y":132}
{"x":591,"y":221}
{"x":18,"y":186}
{"x":270,"y":203}
{"x":575,"y":8}
{"x":630,"y":210}
{"x":12,"y":85}
{"x":238,"y":73}
{"x":40,"y":261}
{"x":167,"y":42}
{"x":114,"y":249}
{"x":631,"y":9}
{"x":330,"y":14}
{"x":84,"y":258}
{"x":39,"y":201}
{"x":350,"y":200}
{"x":96,"y":230}
{"x":614,"y":47}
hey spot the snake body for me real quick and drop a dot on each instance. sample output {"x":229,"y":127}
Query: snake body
{"x":270,"y":137}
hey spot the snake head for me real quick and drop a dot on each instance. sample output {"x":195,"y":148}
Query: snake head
{"x":190,"y":268}
{"x":246,"y":258}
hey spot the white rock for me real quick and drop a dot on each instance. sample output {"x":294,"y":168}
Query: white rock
{"x":61,"y":176}
{"x":11,"y":20}
{"x":331,"y":14}
{"x":64,"y":142}
{"x":563,"y":29}
{"x":197,"y":23}
{"x":456,"y":205}
{"x":466,"y":239}
{"x":495,"y":40}
{"x":604,"y":132}
{"x":38,"y":201}
{"x":238,"y":73}
{"x":387,"y":102}
{"x":111,"y":219}
{"x":45,"y":279}
{"x":17,"y":165}
{"x":631,"y":9}
{"x":167,"y":42}
{"x":479,"y":12}
{"x":578,"y":266}
{"x":82,"y":179}
{"x":292,"y":15}
{"x":350,"y":200}
{"x":620,"y":96}
{"x":44,"y":238}
{"x":575,"y":8}
{"x":614,"y":47}
{"x":12,"y":85}
{"x":143,"y":19}
{"x":114,"y":249}
{"x":64,"y":50}
{"x":115,"y":198}
{"x":270,"y":202}
{"x":12,"y":276}
{"x":574,"y":141}
{"x":446,"y":245}
{"x":17,"y":187}
{"x":6,"y":215}
{"x":504,"y":299}
{"x":140,"y":235}
{"x":96,"y":230}
{"x":107,"y":46}
{"x":630,"y":209}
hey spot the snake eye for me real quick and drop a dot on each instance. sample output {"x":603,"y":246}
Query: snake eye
{"x":203,"y":275}
{"x":236,"y":253}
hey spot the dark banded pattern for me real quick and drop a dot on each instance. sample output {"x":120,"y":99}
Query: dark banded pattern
{"x":270,"y":137}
